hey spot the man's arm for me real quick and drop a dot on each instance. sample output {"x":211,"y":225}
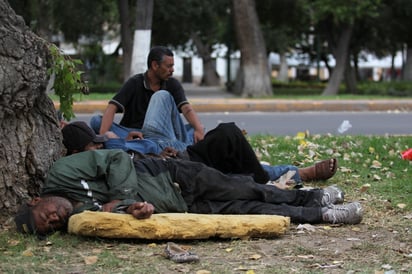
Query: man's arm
{"x":191,"y":116}
{"x":139,"y":210}
{"x":108,"y":117}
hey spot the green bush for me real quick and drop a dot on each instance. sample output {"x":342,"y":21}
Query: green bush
{"x":396,"y":89}
{"x":109,"y":87}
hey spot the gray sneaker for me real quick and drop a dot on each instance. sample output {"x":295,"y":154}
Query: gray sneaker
{"x":332,"y":195}
{"x":347,"y":214}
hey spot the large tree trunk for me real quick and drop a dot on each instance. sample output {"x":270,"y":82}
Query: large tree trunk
{"x":283,"y":68}
{"x":253,"y":78}
{"x":407,"y":70}
{"x":142,"y":36}
{"x":340,"y":54}
{"x":210,"y":76}
{"x":29,"y":130}
{"x":350,"y":77}
{"x":126,"y":36}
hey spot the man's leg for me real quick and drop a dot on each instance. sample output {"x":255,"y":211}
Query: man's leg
{"x":199,"y":182}
{"x":297,"y":214}
{"x":163,"y":123}
{"x":276,"y":171}
{"x":117,"y":129}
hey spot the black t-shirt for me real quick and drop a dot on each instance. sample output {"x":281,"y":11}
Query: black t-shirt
{"x":133,"y":99}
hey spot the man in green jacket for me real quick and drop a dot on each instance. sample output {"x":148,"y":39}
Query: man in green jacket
{"x":109,"y":180}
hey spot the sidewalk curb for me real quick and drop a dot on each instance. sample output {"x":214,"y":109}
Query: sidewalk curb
{"x":249,"y":105}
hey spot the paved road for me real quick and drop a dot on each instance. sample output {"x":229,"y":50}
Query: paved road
{"x":289,"y":123}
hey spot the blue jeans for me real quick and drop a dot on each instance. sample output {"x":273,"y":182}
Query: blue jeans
{"x":163,"y":126}
{"x":276,"y":171}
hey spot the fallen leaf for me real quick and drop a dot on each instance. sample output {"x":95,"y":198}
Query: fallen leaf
{"x":376,"y":177}
{"x":365,"y":187}
{"x":346,"y":157}
{"x":376,"y":164}
{"x":242,"y":268}
{"x":28,"y":253}
{"x":345,"y":169}
{"x":90,"y":260}
{"x":255,"y":257}
{"x":96,"y":250}
{"x":401,"y":206}
{"x":300,"y":135}
{"x":203,"y":271}
{"x":13,"y":242}
{"x":306,"y":256}
{"x":386,"y":266}
{"x":228,"y":249}
{"x":307,"y":227}
{"x":152,"y":245}
{"x":47,"y":249}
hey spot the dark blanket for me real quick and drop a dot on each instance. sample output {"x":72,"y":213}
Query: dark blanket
{"x":226,"y":149}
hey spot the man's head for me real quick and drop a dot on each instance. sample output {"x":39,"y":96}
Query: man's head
{"x":78,"y":137}
{"x":160,"y":60}
{"x":43,"y":215}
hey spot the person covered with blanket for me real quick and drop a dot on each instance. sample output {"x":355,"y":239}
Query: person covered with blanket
{"x":224,"y":148}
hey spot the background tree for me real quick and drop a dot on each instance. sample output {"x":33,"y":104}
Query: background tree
{"x":83,"y":23}
{"x":126,"y":41}
{"x":29,"y":130}
{"x":142,"y":36}
{"x":195,"y":27}
{"x":253,"y":78}
{"x":399,"y":25}
{"x":336,"y":20}
{"x":283,"y":24}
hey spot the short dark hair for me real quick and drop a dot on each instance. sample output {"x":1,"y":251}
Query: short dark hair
{"x":157,"y":53}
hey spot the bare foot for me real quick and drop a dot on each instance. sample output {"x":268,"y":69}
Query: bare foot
{"x":319,"y":171}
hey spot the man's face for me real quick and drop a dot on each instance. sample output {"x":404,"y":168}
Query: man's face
{"x":51,"y":213}
{"x":164,"y":70}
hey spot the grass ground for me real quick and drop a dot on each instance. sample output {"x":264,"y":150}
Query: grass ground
{"x":370,"y":171}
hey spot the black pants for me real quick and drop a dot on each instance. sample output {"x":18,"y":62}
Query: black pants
{"x":226,"y":149}
{"x":207,"y":190}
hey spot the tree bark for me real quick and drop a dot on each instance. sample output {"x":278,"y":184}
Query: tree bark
{"x":407,"y":70}
{"x":126,"y":35}
{"x":283,"y":68}
{"x":253,"y":77}
{"x":340,"y":55}
{"x":350,"y":77}
{"x":210,"y":75}
{"x":142,"y":36}
{"x":29,"y":130}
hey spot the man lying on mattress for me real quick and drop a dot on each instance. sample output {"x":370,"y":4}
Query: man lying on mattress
{"x":111,"y":180}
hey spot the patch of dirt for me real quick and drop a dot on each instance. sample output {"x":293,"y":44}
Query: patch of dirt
{"x":382,"y":242}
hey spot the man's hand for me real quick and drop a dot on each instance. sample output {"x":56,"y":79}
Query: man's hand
{"x":134,"y":135}
{"x":141,"y":210}
{"x":110,"y":206}
{"x":168,"y":152}
{"x":198,"y":135}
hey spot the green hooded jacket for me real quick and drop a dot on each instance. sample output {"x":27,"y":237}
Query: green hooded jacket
{"x":93,"y":178}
